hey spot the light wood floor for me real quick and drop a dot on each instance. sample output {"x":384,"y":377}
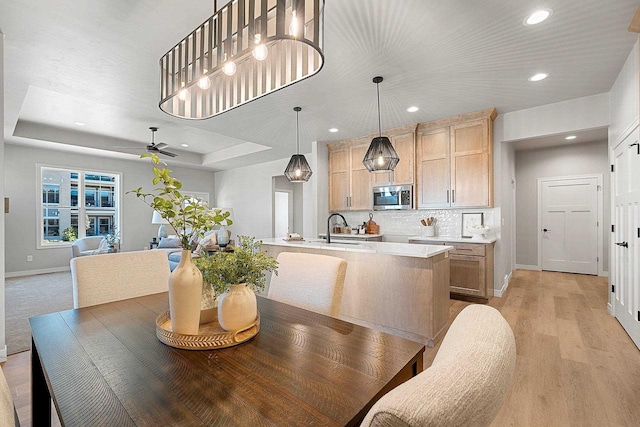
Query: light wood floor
{"x":575,"y":364}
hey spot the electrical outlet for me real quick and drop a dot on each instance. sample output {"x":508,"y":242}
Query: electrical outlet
{"x":29,"y":258}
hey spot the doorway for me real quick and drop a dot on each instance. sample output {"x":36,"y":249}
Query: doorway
{"x":287,"y":207}
{"x":570,"y":215}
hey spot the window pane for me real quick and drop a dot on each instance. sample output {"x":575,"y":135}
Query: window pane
{"x":90,"y":197}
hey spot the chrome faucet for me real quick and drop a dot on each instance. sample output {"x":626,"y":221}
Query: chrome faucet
{"x":329,"y":220}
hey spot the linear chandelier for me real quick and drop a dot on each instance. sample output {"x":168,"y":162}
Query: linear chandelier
{"x":246,"y":50}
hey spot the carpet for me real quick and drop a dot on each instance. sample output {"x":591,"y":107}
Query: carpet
{"x":31,"y":296}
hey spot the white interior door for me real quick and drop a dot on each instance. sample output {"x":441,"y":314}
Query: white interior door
{"x":626,"y":235}
{"x":282,"y":217}
{"x":569,"y":213}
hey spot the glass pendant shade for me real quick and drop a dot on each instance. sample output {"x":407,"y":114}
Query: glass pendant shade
{"x":298,"y":169}
{"x":246,"y":50}
{"x":381,"y":156}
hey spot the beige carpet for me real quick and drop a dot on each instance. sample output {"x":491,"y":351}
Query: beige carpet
{"x":31,"y":296}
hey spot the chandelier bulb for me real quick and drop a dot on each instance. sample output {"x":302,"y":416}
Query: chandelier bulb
{"x":294,"y":26}
{"x":381,"y":160}
{"x":298,"y":172}
{"x":204,"y":83}
{"x":229,"y":68}
{"x":183,"y":94}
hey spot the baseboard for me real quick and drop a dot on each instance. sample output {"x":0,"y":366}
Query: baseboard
{"x":527,"y":267}
{"x":3,"y":354}
{"x":610,"y":308}
{"x":499,"y":292}
{"x":34,"y":272}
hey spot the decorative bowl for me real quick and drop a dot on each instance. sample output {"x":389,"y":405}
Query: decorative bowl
{"x":478,"y":233}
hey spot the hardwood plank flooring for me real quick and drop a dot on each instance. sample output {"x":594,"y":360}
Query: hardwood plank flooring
{"x":575,"y":364}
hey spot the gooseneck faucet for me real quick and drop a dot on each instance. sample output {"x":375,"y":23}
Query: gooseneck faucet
{"x":329,"y":220}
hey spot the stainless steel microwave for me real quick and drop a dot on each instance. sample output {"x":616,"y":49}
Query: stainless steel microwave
{"x":387,"y":197}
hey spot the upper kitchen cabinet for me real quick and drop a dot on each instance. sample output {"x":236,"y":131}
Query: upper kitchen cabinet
{"x":455,"y":162}
{"x":349,"y":180}
{"x":403,"y":141}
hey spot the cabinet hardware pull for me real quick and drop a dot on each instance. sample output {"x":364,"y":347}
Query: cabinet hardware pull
{"x":453,"y":196}
{"x":623,"y":244}
{"x":545,"y":230}
{"x":637,"y":145}
{"x":447,"y":196}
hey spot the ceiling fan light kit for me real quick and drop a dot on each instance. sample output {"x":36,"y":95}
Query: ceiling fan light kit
{"x":381,"y":156}
{"x":298,"y":169}
{"x":246,"y":50}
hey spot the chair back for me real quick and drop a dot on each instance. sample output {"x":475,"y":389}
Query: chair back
{"x":467,"y":383}
{"x":85,"y":244}
{"x":310,"y":281}
{"x":7,"y":411}
{"x":99,"y":279}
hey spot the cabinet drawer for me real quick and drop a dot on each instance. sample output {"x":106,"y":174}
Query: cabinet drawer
{"x":468,"y":249}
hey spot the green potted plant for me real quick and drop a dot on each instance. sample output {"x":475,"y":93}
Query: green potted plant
{"x":113,"y":239}
{"x":190,"y":218}
{"x":69,"y":234}
{"x":233,"y":278}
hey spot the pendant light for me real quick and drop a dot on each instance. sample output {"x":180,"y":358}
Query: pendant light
{"x":298,"y":170}
{"x":381,"y":156}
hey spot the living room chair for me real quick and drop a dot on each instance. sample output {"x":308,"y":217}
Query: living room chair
{"x":86,"y":246}
{"x":310,"y":281}
{"x":8,"y":415}
{"x":112,"y":277}
{"x":467,"y":383}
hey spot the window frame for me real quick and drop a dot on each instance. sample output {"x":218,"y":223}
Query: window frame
{"x":81,"y":208}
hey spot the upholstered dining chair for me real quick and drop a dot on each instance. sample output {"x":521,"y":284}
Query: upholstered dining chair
{"x":310,"y":281}
{"x":105,"y":278}
{"x":467,"y":383}
{"x":8,"y":415}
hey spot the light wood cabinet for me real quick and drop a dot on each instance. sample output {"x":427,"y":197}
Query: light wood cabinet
{"x":349,"y":180}
{"x":454,"y":161}
{"x":471,"y":270}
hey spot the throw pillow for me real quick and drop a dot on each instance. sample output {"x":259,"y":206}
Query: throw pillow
{"x":169,"y":242}
{"x":103,"y":247}
{"x":209,"y":242}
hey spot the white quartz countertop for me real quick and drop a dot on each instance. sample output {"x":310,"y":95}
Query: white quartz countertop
{"x":385,"y":248}
{"x":351,"y":235}
{"x":441,"y":239}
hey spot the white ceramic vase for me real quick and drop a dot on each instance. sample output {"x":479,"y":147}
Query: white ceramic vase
{"x":185,"y":293}
{"x":237,"y":308}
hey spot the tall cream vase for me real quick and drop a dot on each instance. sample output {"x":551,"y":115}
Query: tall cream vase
{"x":185,"y":293}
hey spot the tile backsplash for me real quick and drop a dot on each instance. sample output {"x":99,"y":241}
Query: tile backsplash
{"x":407,"y":223}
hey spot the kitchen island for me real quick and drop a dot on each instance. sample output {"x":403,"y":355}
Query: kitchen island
{"x":398,"y":288}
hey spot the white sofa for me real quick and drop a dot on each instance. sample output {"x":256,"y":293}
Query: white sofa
{"x":465,"y":386}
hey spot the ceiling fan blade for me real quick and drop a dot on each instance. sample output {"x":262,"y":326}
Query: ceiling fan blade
{"x":166,"y":153}
{"x":161,"y":145}
{"x":122,"y":147}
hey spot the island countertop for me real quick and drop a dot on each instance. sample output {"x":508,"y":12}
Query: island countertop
{"x":383,"y":248}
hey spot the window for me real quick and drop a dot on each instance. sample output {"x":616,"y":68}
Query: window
{"x":87,"y":202}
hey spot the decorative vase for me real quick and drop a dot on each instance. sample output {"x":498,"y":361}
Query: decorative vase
{"x":237,"y":308}
{"x":223,"y":236}
{"x":185,"y":293}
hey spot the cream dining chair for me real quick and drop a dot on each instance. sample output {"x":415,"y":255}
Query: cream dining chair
{"x":309,"y":281}
{"x":465,"y":386}
{"x":8,"y":415}
{"x":99,"y":279}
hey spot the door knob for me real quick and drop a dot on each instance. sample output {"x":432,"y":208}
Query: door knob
{"x":623,"y":244}
{"x":545,"y":230}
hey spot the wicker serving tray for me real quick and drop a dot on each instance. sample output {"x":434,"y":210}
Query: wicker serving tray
{"x":210,"y":335}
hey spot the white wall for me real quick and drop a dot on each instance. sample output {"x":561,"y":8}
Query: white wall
{"x":624,"y":108}
{"x":3,"y":347}
{"x":22,"y":188}
{"x":589,"y":112}
{"x":249,"y":191}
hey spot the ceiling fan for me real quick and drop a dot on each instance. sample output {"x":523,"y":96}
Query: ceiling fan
{"x":153,"y":147}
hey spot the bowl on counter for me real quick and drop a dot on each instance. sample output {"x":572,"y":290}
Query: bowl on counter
{"x":478,"y":232}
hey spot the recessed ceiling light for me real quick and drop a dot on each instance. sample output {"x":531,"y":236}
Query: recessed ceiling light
{"x":538,"y":77}
{"x":184,"y":145}
{"x":80,"y":124}
{"x":412,"y":109}
{"x":570,"y":137}
{"x":333,"y":130}
{"x":538,"y":16}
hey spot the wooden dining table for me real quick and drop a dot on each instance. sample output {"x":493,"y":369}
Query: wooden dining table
{"x":104,"y":366}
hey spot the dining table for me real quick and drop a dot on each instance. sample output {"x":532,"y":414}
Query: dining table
{"x":104,"y":366}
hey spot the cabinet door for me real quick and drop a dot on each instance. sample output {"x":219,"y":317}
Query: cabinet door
{"x":338,"y":179}
{"x":361,"y":193}
{"x":432,"y":184}
{"x":467,"y":275}
{"x":404,"y":145}
{"x":470,"y":164}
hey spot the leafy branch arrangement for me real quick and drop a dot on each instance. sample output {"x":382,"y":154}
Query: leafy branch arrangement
{"x":246,"y":264}
{"x":189,"y":216}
